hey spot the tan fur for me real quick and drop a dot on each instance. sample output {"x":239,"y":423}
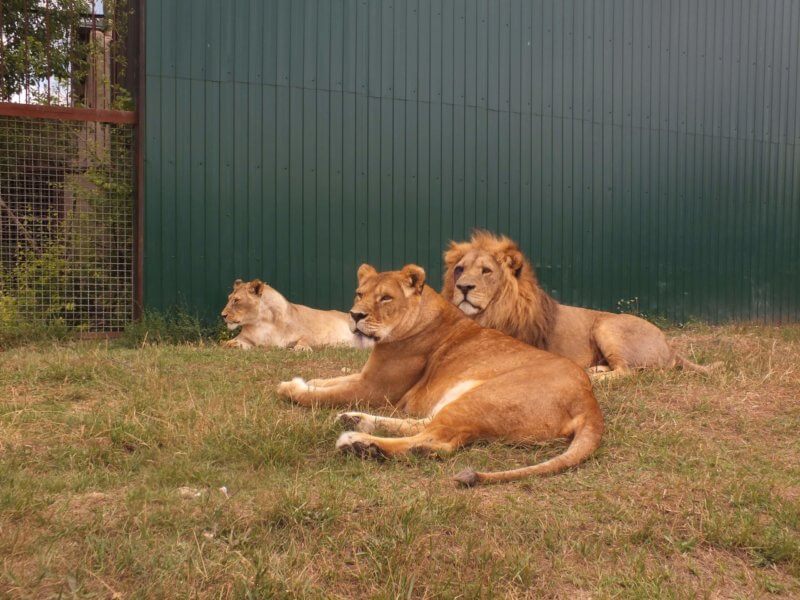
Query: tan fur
{"x":269,"y":319}
{"x":502,"y":292}
{"x":457,"y":381}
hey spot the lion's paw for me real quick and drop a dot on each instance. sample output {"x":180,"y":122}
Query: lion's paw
{"x":355,"y":420}
{"x":293,"y":388}
{"x":301,"y":347}
{"x":357,"y":443}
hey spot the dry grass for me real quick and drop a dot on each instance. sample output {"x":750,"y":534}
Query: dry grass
{"x":695,"y":492}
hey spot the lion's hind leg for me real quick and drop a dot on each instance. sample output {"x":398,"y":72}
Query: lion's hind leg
{"x":443,"y":432}
{"x":424,"y":443}
{"x":608,"y":375}
{"x":628,"y":343}
{"x":615,"y":354}
{"x":366,"y":423}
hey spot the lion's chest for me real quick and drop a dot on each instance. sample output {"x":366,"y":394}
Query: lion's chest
{"x":269,"y":334}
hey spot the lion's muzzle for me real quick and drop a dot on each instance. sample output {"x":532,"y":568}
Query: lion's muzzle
{"x":468,"y":308}
{"x":460,"y":299}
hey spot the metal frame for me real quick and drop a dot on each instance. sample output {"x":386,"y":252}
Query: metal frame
{"x":66,"y":113}
{"x":138,"y":214}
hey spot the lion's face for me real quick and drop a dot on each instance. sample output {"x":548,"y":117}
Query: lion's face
{"x":476,"y":279}
{"x":478,"y":271}
{"x":244,"y":303}
{"x":386,"y":304}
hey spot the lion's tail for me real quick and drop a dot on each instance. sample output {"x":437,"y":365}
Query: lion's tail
{"x":585,"y":441}
{"x":685,"y":363}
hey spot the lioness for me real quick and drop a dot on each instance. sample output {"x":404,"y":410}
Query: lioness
{"x":269,"y":319}
{"x":462,"y":382}
{"x":490,"y":280}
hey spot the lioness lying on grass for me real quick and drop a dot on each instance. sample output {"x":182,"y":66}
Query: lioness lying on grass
{"x":269,"y":319}
{"x":461,"y":382}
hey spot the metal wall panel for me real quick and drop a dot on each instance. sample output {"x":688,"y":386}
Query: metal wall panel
{"x":636,"y":149}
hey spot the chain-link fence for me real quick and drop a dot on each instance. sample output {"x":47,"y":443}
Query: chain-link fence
{"x":66,"y":222}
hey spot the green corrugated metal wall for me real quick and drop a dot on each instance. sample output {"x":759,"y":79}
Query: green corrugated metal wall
{"x":634,"y":149}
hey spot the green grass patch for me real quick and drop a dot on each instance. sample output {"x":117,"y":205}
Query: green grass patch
{"x":173,"y":326}
{"x":113,"y":458}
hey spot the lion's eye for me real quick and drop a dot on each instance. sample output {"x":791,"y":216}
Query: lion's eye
{"x":236,"y":301}
{"x":359,"y":295}
{"x":486,"y":270}
{"x":458,"y":271}
{"x":386,"y":299}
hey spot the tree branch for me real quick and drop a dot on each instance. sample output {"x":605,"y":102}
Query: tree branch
{"x":27,"y":234}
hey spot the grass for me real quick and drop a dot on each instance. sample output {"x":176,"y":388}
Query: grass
{"x":175,"y":326}
{"x":112,"y":460}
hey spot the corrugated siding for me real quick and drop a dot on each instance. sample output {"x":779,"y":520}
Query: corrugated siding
{"x":634,"y":148}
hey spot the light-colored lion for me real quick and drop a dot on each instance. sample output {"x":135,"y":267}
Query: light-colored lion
{"x":459,"y":381}
{"x":269,"y":319}
{"x":490,"y":280}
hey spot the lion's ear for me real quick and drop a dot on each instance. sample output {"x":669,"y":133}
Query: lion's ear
{"x":454,"y":253}
{"x":514,"y":259}
{"x":415,"y":277}
{"x":237,"y":283}
{"x":257,"y":286}
{"x":365,"y":271}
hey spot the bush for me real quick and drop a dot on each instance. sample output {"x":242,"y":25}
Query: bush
{"x":16,"y":329}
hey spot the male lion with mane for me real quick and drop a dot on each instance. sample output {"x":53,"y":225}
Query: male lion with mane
{"x":490,"y":280}
{"x":269,"y":319}
{"x":459,"y":381}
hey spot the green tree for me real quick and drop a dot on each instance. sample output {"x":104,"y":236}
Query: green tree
{"x":38,"y":41}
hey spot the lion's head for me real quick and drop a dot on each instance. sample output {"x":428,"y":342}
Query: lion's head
{"x":244,"y":303}
{"x":490,"y":280}
{"x":479,"y":271}
{"x":387,"y":304}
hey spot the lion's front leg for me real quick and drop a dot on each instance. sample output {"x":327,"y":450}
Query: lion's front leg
{"x":345,"y":393}
{"x":302,"y":345}
{"x":237,"y":342}
{"x":333,"y":380}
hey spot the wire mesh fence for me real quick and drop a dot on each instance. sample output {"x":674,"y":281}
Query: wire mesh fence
{"x":66,"y":222}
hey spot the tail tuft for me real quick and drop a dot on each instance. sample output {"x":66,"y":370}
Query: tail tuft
{"x":466,"y":478}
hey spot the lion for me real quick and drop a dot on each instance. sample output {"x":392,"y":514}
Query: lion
{"x":457,"y":381}
{"x":491,"y":281}
{"x":269,"y":319}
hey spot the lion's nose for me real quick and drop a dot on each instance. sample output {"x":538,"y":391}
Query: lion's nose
{"x":356,"y":316}
{"x":465,"y":288}
{"x":224,"y":314}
